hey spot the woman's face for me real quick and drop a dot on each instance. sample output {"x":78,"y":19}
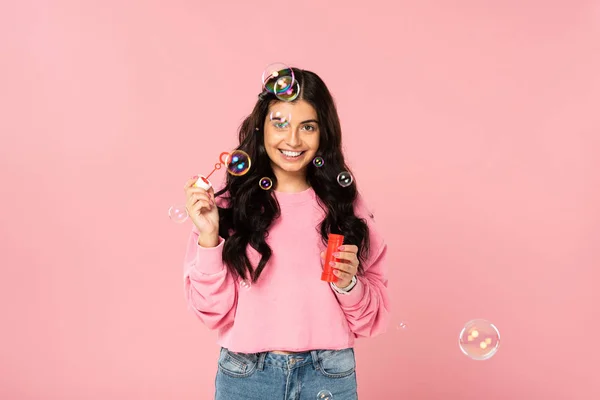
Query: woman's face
{"x":291,"y":136}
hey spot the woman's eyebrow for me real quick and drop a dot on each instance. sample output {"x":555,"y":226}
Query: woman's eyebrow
{"x":309,"y":120}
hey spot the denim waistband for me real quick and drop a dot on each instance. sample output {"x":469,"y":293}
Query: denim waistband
{"x":288,"y":360}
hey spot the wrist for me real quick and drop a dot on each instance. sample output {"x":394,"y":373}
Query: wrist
{"x":208,"y":239}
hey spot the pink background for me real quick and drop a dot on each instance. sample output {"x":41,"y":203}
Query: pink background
{"x":472,"y":128}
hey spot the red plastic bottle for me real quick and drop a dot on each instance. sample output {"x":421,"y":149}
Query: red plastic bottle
{"x":333,"y":244}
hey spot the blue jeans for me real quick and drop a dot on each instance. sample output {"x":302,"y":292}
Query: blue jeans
{"x":312,"y":375}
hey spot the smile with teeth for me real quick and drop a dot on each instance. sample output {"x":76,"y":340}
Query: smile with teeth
{"x":291,"y":154}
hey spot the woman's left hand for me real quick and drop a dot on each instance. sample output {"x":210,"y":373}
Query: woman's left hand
{"x":347,"y":267}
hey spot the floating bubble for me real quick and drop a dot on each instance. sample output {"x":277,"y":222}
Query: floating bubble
{"x":238,"y":163}
{"x":265,"y":183}
{"x":280,"y":120}
{"x":345,"y":179}
{"x":289,"y":94}
{"x":318,"y":162}
{"x":178,"y":214}
{"x":324,"y":395}
{"x":479,"y":339}
{"x":401,"y":326}
{"x":245,"y":284}
{"x":277,"y":78}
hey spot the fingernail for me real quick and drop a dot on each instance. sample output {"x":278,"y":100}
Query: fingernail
{"x":335,"y":272}
{"x":336,"y":254}
{"x":341,"y":248}
{"x":195,"y":177}
{"x":332,"y":263}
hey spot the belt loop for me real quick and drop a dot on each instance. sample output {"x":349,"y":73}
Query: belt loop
{"x":261,"y":360}
{"x":315,"y":358}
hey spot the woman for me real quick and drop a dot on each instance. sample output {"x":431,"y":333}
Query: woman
{"x":288,"y":335}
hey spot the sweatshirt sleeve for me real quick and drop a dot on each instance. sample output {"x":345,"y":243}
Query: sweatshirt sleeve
{"x":210,"y":290}
{"x":367,"y":305}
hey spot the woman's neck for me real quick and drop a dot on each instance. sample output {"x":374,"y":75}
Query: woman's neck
{"x":291,"y":186}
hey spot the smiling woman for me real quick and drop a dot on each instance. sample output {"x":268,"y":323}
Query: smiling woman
{"x":289,"y":333}
{"x":291,"y":144}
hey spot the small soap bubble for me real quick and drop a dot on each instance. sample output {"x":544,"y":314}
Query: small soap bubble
{"x":277,"y":78}
{"x":324,"y":395}
{"x":344,"y":179}
{"x":238,"y":163}
{"x":265,"y":183}
{"x":479,"y":339}
{"x":318,"y":162}
{"x":178,"y":214}
{"x":245,"y":284}
{"x":280,"y":120}
{"x":401,"y":326}
{"x":289,"y":94}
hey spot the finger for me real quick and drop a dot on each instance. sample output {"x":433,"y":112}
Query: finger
{"x":344,"y":267}
{"x":322,"y":254}
{"x":345,"y":256}
{"x":190,"y":182}
{"x":201,"y":192}
{"x":348,"y":247}
{"x":196,"y":196}
{"x":344,"y":277}
{"x":199,"y":206}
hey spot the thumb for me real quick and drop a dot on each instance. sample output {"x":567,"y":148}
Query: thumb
{"x":211,"y":193}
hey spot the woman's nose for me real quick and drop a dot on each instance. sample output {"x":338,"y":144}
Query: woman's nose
{"x":293,"y":138}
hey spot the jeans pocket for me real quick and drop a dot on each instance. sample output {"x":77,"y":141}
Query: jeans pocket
{"x":237,"y":365}
{"x":336,"y":363}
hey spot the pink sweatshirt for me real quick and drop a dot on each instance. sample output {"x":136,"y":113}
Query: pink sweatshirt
{"x":289,"y":308}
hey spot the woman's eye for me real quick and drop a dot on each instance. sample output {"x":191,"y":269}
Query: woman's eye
{"x":309,"y":128}
{"x":281,"y":125}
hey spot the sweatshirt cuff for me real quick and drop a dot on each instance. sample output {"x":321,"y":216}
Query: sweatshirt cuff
{"x":353,"y":297}
{"x":209,"y":260}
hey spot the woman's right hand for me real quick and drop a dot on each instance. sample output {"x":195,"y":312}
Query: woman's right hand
{"x":201,"y":208}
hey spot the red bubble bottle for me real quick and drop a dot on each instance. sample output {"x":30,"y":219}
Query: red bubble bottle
{"x":333,"y":244}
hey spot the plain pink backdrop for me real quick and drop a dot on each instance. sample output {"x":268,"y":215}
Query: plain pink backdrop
{"x":472,"y":128}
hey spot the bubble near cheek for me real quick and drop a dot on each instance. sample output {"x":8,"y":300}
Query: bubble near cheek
{"x":265,"y":183}
{"x":318,"y":162}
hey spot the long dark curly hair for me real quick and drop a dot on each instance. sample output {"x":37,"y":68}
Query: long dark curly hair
{"x":250,"y":210}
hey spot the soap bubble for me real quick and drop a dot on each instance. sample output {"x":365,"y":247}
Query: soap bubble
{"x":324,"y":395}
{"x":479,"y":339}
{"x":245,"y":284}
{"x":280,"y":120}
{"x":401,"y":326}
{"x":178,"y":214}
{"x":289,"y":94}
{"x":344,"y":179}
{"x":265,"y":183}
{"x":318,"y":162}
{"x":277,"y":78}
{"x":238,"y":163}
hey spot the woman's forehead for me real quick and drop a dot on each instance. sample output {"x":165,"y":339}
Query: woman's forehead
{"x":299,"y":109}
